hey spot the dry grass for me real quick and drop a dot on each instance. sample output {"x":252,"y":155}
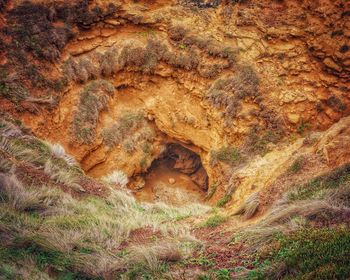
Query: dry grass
{"x":59,"y":152}
{"x":69,"y":178}
{"x":249,"y":208}
{"x":177,"y":32}
{"x":96,"y":226}
{"x":117,"y":177}
{"x":44,"y":228}
{"x":152,"y":255}
{"x":146,"y":57}
{"x":324,"y":199}
{"x":285,"y":218}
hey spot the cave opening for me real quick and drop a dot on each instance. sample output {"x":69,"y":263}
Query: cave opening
{"x":177,"y":177}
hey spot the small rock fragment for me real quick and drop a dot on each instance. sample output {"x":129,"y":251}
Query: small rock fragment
{"x":172,"y":181}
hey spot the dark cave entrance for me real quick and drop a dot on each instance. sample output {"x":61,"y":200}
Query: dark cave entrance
{"x":176,"y":177}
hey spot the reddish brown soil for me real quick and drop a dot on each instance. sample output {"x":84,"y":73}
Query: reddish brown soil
{"x":221,"y":251}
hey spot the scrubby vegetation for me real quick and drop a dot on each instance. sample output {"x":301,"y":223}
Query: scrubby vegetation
{"x":310,"y":254}
{"x":228,"y":93}
{"x":117,"y":177}
{"x":224,"y":200}
{"x":36,"y":38}
{"x":93,"y":99}
{"x":305,"y":236}
{"x":297,"y":165}
{"x":214,"y":221}
{"x":50,"y":230}
{"x":145,"y":58}
{"x":319,"y":186}
{"x":228,"y":154}
{"x":258,"y":138}
{"x":132,"y":132}
{"x":182,"y":35}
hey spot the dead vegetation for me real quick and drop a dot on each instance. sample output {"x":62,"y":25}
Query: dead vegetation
{"x":228,"y":93}
{"x":146,"y":58}
{"x":181,"y":35}
{"x":36,"y":34}
{"x":93,"y":99}
{"x":249,"y":208}
{"x":132,"y":132}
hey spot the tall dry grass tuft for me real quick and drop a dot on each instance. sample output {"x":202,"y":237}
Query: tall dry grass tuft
{"x":59,"y":152}
{"x":152,"y":255}
{"x":248,"y":209}
{"x":117,"y":177}
{"x":69,"y":178}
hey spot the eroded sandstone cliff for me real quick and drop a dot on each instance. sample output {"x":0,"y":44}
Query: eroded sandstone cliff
{"x":249,"y":86}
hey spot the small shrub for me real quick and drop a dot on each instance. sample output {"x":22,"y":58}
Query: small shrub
{"x":258,"y":139}
{"x":227,"y":93}
{"x":229,"y":155}
{"x":214,"y":221}
{"x":177,"y":32}
{"x":210,"y":71}
{"x":224,"y":200}
{"x":144,"y":58}
{"x":132,"y":56}
{"x":109,"y":62}
{"x":303,"y":127}
{"x":93,"y":99}
{"x":297,"y":165}
{"x":184,"y":60}
{"x":336,"y":104}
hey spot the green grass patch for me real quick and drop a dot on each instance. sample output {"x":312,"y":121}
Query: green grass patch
{"x":214,"y":221}
{"x":42,"y":257}
{"x":297,"y":165}
{"x":318,"y":185}
{"x":303,"y":127}
{"x":200,"y":261}
{"x":224,"y":200}
{"x":309,"y":254}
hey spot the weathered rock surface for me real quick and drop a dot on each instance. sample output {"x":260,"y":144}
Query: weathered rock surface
{"x":256,"y":75}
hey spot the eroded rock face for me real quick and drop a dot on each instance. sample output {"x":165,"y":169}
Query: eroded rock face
{"x":116,"y":81}
{"x":189,"y":163}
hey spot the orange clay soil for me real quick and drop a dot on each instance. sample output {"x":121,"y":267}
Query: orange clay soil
{"x":158,"y":188}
